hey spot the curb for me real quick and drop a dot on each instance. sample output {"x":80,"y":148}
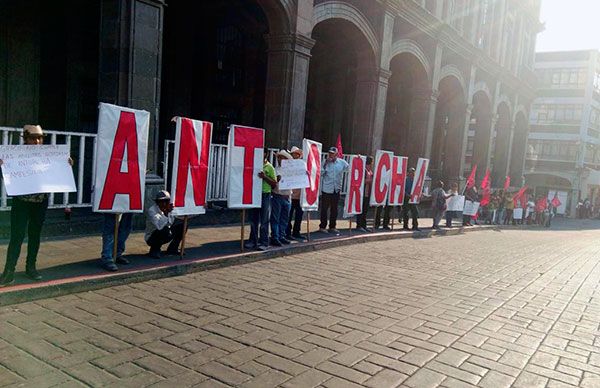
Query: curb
{"x":54,"y":288}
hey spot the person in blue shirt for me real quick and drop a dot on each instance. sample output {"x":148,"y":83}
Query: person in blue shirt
{"x":409,"y":207}
{"x":331,"y":184}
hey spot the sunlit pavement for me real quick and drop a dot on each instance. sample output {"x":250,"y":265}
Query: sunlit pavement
{"x":492,"y":308}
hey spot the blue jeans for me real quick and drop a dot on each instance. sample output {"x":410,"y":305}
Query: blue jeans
{"x":108,"y":233}
{"x":259,"y":218}
{"x":280,"y":214}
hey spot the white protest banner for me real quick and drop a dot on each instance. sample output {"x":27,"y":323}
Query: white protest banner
{"x":31,"y":169}
{"x":244,"y":163}
{"x":381,"y":178}
{"x":419,"y":181}
{"x":398,"y":180}
{"x":293,"y":174}
{"x":518,"y":214}
{"x":190,"y":166}
{"x":121,"y":153}
{"x":470,"y":208}
{"x":455,"y":203}
{"x":355,"y":186}
{"x":309,"y":197}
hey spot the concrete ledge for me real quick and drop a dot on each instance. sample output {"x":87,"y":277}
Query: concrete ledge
{"x":49,"y":289}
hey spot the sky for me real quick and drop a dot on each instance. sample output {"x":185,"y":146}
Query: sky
{"x":570,"y":25}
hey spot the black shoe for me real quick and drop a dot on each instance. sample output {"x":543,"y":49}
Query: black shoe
{"x":154,"y":254}
{"x":405,"y":228}
{"x":250,"y":245}
{"x":173,"y":252}
{"x":33,"y":274}
{"x":122,"y":260}
{"x":416,"y":229}
{"x":276,"y":243}
{"x":284,"y":241}
{"x":7,"y":278}
{"x":110,"y":266}
{"x":387,"y":228}
{"x":298,"y":237}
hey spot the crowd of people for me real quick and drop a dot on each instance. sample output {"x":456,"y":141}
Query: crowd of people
{"x":277,"y":222}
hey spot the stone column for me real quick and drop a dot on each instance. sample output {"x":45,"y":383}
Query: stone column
{"x":502,"y":154}
{"x":433,"y":100}
{"x":380,"y":105}
{"x":130,"y":61}
{"x":366,"y":99}
{"x":287,"y":83}
{"x":465,"y":141}
{"x":422,"y":108}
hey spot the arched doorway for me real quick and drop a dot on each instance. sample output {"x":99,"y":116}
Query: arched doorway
{"x":405,"y":131}
{"x":342,"y":79}
{"x":215,"y":67}
{"x":501,"y":145}
{"x":446,"y":150}
{"x":519,"y":146}
{"x":479,"y":133}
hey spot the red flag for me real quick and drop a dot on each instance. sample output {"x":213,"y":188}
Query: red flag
{"x":555,"y":201}
{"x":338,"y":145}
{"x":471,"y":179}
{"x":542,"y":204}
{"x":506,"y":183}
{"x":520,"y":196}
{"x":486,"y":188}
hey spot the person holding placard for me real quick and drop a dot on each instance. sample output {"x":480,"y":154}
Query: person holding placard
{"x":280,"y":206}
{"x":296,"y":212}
{"x":27,"y":213}
{"x":161,"y":227}
{"x":408,"y":207}
{"x":438,"y":203}
{"x":450,"y":214}
{"x":259,"y":217}
{"x":331,"y":183}
{"x":470,"y":195}
{"x":108,"y":240}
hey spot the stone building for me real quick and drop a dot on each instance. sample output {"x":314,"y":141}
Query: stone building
{"x":451,"y":80}
{"x":563,"y":151}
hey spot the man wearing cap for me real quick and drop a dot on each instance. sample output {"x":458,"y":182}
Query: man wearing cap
{"x":410,"y":207}
{"x":27,"y":213}
{"x":296,"y":212}
{"x":259,"y":217}
{"x":161,"y":227}
{"x":331,"y":184}
{"x":280,"y":206}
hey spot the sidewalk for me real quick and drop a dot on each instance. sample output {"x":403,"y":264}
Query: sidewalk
{"x":74,"y":261}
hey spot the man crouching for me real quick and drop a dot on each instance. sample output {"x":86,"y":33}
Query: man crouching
{"x":160,"y":228}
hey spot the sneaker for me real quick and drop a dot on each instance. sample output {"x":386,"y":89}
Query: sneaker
{"x":405,"y":228}
{"x":276,"y":243}
{"x":122,"y":260}
{"x":416,"y":229}
{"x":110,"y":266}
{"x":387,"y":228}
{"x":7,"y":279}
{"x":284,"y":241}
{"x":289,"y":237}
{"x":154,"y":255}
{"x":262,"y":247}
{"x":323,"y":230}
{"x":334,"y":231}
{"x":361,"y":229}
{"x":249,"y":245}
{"x":298,"y":237}
{"x":33,"y":274}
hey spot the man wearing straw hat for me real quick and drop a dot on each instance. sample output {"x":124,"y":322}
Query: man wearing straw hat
{"x":27,"y":213}
{"x":296,"y":212}
{"x":280,"y":206}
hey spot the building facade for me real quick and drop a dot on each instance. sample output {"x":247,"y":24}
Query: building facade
{"x":450,"y":80}
{"x":563,"y":150}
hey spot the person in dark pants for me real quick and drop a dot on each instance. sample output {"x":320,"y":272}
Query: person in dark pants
{"x":27,"y":214}
{"x":259,"y":217}
{"x":410,"y":207}
{"x":161,"y":227}
{"x":361,"y":219}
{"x":331,"y":185}
{"x":451,"y":214}
{"x":296,"y":212}
{"x":386,"y":210}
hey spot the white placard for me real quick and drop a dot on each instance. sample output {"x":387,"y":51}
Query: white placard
{"x":31,"y":169}
{"x":419,"y":181}
{"x":470,"y":208}
{"x":190,"y":166}
{"x":382,"y":177}
{"x":355,"y":186}
{"x":293,"y":174}
{"x":309,"y":197}
{"x":244,"y":163}
{"x":518,"y":214}
{"x":121,"y":154}
{"x":456,"y":203}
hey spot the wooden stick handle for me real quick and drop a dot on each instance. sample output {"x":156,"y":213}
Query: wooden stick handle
{"x":116,"y":237}
{"x":185,"y":226}
{"x":242,"y":230}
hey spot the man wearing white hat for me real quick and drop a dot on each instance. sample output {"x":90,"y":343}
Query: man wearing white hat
{"x":161,"y":227}
{"x":296,"y":212}
{"x":27,"y":214}
{"x":280,"y":206}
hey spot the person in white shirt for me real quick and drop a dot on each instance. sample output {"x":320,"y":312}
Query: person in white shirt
{"x":280,"y":206}
{"x":161,"y":227}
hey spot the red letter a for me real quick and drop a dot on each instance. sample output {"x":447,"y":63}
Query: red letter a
{"x":118,"y":182}
{"x":189,"y":160}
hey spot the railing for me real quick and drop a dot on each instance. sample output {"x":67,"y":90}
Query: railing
{"x":79,"y":144}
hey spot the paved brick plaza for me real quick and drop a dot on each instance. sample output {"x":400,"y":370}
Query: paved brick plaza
{"x":490,"y":309}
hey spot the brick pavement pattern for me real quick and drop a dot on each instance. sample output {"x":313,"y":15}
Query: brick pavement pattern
{"x":489,"y":309}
